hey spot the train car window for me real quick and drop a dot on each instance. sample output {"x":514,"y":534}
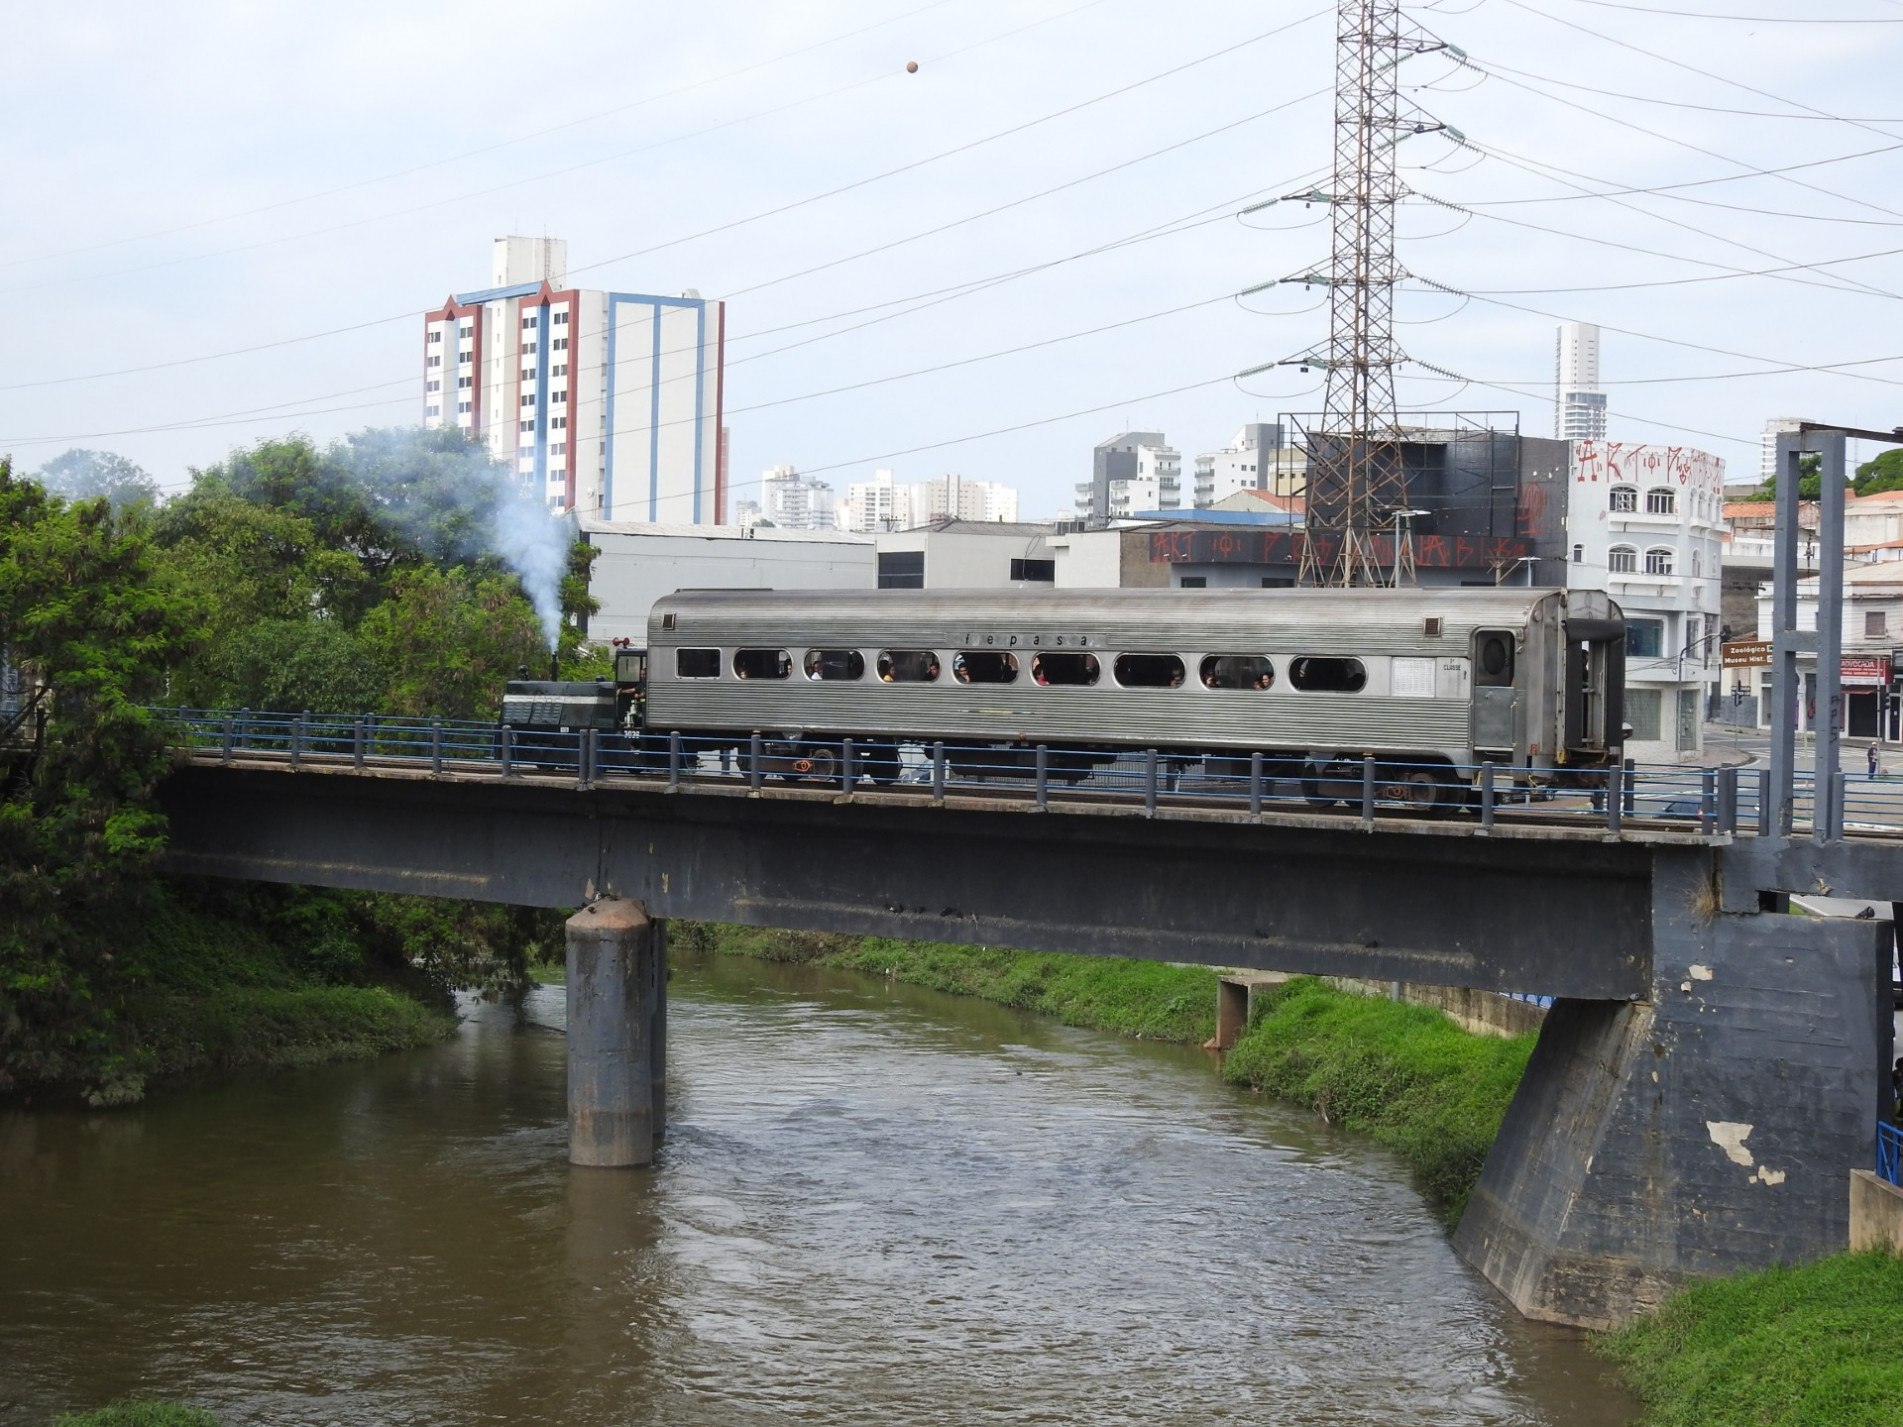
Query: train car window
{"x":1321,"y":674}
{"x":1493,"y":659}
{"x":762,"y":664}
{"x":908,"y":666}
{"x":829,"y":664}
{"x":1149,"y":671}
{"x":697,"y":663}
{"x":984,"y":666}
{"x":1064,"y":668}
{"x":1236,"y":671}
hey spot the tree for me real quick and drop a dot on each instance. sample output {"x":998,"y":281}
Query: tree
{"x":80,"y":474}
{"x":449,"y":639}
{"x":1810,"y":481}
{"x":1885,"y":473}
{"x":87,"y":609}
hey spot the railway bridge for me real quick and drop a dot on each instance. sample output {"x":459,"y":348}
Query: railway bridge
{"x":1711,"y":1069}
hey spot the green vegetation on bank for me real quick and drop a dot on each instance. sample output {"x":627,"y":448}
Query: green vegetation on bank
{"x":1404,"y":1074}
{"x":1147,"y":1000}
{"x":369,"y":574}
{"x":138,"y":1414}
{"x":1817,"y":1346}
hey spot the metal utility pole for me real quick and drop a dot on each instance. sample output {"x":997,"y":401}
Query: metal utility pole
{"x":1355,"y":472}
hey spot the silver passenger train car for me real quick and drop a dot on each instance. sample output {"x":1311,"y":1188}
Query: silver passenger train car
{"x":1431,"y":682}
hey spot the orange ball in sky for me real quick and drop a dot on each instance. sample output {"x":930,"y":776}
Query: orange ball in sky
{"x":911,"y":66}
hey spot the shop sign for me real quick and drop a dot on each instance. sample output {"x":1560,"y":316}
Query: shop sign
{"x":1746,"y":653}
{"x":1865,"y":672}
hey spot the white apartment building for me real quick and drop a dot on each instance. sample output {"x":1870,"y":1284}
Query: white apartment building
{"x":878,"y":504}
{"x":883,"y":504}
{"x":1579,"y":404}
{"x":955,"y":497}
{"x":791,"y":501}
{"x":1646,"y":524}
{"x":1767,"y":443}
{"x":606,"y":403}
{"x":1254,"y":459}
{"x":1130,"y":455}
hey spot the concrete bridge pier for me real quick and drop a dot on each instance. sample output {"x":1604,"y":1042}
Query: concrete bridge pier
{"x":1708,"y":1129}
{"x":617,"y":1030}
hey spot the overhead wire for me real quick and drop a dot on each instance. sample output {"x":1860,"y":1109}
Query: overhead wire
{"x":510,"y":142}
{"x":788,"y":277}
{"x":562,"y":172}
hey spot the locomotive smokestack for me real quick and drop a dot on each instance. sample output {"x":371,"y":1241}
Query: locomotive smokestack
{"x":554,"y":666}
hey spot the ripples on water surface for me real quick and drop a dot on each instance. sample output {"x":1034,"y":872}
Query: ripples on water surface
{"x":876,"y":1205}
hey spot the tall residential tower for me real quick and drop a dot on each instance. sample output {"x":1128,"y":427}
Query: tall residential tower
{"x":1579,"y":406}
{"x":605,"y":403}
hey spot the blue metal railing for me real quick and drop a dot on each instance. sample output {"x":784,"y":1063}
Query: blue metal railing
{"x":1890,"y":1153}
{"x":1711,"y":801}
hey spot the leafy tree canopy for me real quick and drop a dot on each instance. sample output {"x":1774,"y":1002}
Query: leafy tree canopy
{"x":449,"y":639}
{"x":1885,"y":473}
{"x":80,"y":474}
{"x":1810,"y":481}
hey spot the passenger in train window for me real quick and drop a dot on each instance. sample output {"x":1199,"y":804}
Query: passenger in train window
{"x":1037,"y":669}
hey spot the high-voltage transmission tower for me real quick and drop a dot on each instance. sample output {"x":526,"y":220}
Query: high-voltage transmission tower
{"x":1356,"y":481}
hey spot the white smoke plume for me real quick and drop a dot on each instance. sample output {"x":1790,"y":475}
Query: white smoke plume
{"x":445,"y":494}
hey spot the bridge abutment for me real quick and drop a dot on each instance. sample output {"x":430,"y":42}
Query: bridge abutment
{"x":1709,"y":1129}
{"x":617,"y":1034}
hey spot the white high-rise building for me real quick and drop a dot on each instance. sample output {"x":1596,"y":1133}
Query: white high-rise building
{"x":1767,"y":461}
{"x":878,"y":504}
{"x":608,"y":403}
{"x":1579,"y":406}
{"x":795,"y":502}
{"x":881,"y":504}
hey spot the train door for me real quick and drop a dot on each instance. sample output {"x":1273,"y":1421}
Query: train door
{"x":1496,"y":717}
{"x":1594,"y":689}
{"x":631,"y":688}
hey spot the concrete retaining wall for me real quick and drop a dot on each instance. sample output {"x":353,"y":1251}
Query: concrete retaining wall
{"x":1484,"y":1013}
{"x":1876,"y":1213}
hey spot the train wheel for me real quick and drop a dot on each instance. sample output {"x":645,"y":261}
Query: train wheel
{"x":1416,"y":789}
{"x":817,"y":765}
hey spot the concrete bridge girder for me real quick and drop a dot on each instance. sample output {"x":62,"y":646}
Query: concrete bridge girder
{"x":1561,"y":916}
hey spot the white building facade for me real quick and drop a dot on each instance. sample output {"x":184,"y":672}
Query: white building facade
{"x":1254,"y":459}
{"x":1646,"y":524}
{"x":609,"y":404}
{"x":884,"y":504}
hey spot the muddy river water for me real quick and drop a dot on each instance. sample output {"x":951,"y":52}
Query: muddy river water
{"x":876,"y":1205}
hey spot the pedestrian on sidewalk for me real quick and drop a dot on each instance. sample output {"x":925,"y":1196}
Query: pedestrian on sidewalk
{"x":1875,"y":763}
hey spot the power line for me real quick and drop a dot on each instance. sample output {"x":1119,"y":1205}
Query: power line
{"x":1494,"y":67}
{"x":1537,"y":394}
{"x":1751,"y":170}
{"x":1694,"y":69}
{"x":1726,"y":270}
{"x":1690,"y":281}
{"x":1195,"y":138}
{"x":562,"y":127}
{"x":544,"y":175}
{"x":1452,"y":291}
{"x":1748,"y":19}
{"x":960,"y":148}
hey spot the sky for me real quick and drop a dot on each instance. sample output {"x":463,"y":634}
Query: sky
{"x":225,"y":220}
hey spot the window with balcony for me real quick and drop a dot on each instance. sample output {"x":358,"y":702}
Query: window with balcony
{"x":1625,"y":499}
{"x":1622,"y":560}
{"x":1661,"y":500}
{"x":1659,"y":560}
